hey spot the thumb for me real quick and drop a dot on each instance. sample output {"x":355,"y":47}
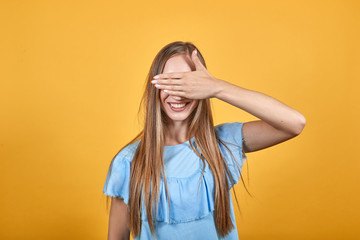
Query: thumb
{"x":196,"y":60}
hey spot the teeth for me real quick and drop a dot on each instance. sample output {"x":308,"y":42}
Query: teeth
{"x":177,"y":105}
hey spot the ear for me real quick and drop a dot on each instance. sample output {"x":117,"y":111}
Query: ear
{"x":196,"y":60}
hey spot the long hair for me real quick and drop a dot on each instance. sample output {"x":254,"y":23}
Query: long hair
{"x":147,"y":164}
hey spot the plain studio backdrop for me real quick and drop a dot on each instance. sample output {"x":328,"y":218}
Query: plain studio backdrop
{"x":72,"y":75}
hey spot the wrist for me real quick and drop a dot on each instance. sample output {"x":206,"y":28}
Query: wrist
{"x":219,"y":88}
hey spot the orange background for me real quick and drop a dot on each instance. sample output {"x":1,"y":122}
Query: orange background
{"x":72,"y":74}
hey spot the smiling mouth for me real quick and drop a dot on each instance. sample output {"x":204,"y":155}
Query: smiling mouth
{"x":178,"y":106}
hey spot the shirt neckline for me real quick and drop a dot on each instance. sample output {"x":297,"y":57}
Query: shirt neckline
{"x":184,"y":144}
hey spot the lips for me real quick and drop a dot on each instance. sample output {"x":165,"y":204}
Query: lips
{"x":178,"y":102}
{"x":178,"y":109}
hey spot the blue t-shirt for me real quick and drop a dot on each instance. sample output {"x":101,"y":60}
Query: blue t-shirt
{"x":191,"y":210}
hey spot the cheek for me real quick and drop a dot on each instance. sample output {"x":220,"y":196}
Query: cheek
{"x":162,"y":99}
{"x":162,"y":95}
{"x":194,"y":105}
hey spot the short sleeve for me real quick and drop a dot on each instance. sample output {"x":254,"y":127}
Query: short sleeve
{"x":118,"y":178}
{"x":232,"y":135}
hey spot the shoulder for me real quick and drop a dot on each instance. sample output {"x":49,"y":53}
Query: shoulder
{"x":127,"y":153}
{"x":233,"y":153}
{"x":230,"y":131}
{"x":118,"y":178}
{"x":227,"y":126}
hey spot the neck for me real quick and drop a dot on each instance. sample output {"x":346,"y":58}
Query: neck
{"x":176,"y":133}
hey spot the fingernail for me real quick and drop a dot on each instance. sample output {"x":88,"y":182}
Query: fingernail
{"x":195,"y":51}
{"x":156,"y":77}
{"x":153,"y":81}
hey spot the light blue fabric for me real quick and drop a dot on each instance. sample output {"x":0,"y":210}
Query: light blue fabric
{"x":191,"y":215}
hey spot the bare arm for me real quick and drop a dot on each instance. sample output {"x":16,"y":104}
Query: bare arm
{"x":278,"y":123}
{"x":118,"y":220}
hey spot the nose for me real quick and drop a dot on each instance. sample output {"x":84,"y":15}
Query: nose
{"x":178,"y":98}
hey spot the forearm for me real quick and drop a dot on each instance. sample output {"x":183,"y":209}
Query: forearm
{"x":262,"y":106}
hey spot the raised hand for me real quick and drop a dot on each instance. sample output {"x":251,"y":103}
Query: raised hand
{"x":198,"y":84}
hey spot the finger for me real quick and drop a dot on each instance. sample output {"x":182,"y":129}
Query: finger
{"x":196,"y":61}
{"x":169,"y":75}
{"x":168,"y":82}
{"x":169,"y":87}
{"x":175,"y":93}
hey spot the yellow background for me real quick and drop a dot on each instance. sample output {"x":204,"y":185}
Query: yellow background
{"x":72,"y":75}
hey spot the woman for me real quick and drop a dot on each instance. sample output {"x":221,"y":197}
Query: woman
{"x":172,"y":180}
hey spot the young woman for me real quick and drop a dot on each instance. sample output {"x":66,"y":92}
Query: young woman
{"x":173,"y":180}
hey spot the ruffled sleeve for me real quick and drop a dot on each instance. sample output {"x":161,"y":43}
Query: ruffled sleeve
{"x":117,"y":182}
{"x":232,"y":133}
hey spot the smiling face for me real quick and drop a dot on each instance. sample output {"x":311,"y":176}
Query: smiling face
{"x":178,"y":108}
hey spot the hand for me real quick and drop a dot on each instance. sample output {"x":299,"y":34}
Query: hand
{"x":198,"y":84}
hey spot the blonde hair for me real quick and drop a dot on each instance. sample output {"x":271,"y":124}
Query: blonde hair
{"x":147,"y":163}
